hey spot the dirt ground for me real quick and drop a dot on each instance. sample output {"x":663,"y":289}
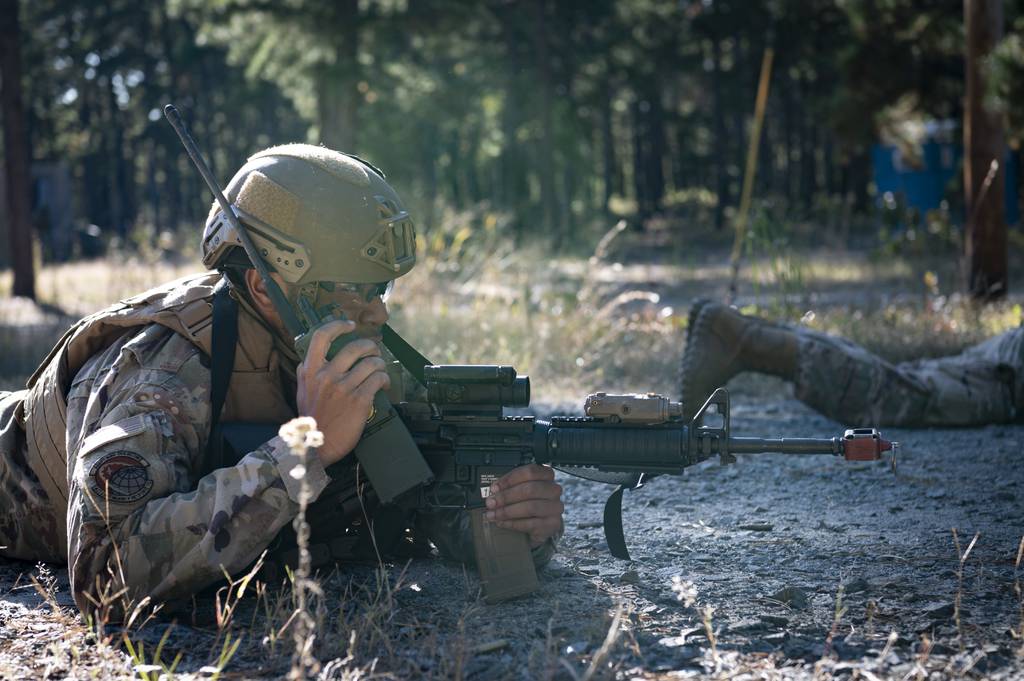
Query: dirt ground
{"x":774,"y":567}
{"x":812,"y":566}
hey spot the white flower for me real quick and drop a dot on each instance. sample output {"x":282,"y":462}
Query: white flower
{"x":685,"y":591}
{"x":301,"y":434}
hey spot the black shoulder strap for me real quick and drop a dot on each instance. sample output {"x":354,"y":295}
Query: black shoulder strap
{"x":222,"y":362}
{"x":407,"y":355}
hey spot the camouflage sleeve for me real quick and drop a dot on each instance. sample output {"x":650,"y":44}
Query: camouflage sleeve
{"x":139,"y":519}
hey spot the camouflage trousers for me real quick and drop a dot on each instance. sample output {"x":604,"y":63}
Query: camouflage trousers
{"x":28,"y":524}
{"x":983,"y":384}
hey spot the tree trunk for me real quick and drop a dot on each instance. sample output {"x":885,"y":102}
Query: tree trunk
{"x":655,"y":148}
{"x":720,"y":143}
{"x":18,"y":170}
{"x":640,"y":183}
{"x":609,"y":164}
{"x":337,"y":84}
{"x":545,"y":156}
{"x":984,"y":151}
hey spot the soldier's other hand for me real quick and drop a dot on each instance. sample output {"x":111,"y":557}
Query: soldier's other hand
{"x":339,"y":393}
{"x":527,"y":499}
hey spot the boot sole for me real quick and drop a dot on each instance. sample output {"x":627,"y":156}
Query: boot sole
{"x":686,"y":360}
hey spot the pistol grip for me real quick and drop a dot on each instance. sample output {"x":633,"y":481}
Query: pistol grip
{"x":503,"y":559}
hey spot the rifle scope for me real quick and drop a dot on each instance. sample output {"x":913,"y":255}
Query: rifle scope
{"x":476,"y":385}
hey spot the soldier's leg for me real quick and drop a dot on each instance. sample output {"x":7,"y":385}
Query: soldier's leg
{"x":830,"y":374}
{"x":842,"y":380}
{"x":981,"y":385}
{"x":849,"y":384}
{"x":28,"y":521}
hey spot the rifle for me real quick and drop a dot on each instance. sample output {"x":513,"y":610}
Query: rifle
{"x":468,"y":443}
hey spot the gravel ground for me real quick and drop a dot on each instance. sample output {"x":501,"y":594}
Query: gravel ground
{"x":797,"y":566}
{"x":774,"y":567}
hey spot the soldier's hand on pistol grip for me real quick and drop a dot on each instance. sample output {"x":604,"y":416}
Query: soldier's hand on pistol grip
{"x":339,"y":393}
{"x":527,"y":499}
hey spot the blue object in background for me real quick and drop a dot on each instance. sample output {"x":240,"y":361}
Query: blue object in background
{"x":923,"y":187}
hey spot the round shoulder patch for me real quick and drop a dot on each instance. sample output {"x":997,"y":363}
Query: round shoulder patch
{"x":121,"y":477}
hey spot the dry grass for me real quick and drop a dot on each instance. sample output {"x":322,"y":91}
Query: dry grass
{"x":575,"y":325}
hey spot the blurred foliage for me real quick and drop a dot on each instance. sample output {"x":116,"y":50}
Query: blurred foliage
{"x":905,"y":231}
{"x":558,"y":116}
{"x":1006,"y":84}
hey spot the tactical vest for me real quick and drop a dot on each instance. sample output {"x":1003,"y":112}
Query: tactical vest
{"x":255,"y":392}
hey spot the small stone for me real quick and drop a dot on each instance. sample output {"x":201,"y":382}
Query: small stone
{"x":757,"y":527}
{"x":629,"y":577}
{"x":577,"y":648}
{"x":855,"y":586}
{"x":940,"y":611}
{"x":793,"y":596}
{"x":747,"y":627}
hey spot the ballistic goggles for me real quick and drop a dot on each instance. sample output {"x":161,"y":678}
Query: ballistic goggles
{"x":364,"y":293}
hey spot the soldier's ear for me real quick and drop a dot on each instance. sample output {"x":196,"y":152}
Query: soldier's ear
{"x":261,"y":299}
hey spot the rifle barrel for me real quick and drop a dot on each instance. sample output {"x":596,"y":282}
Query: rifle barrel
{"x":785,"y":445}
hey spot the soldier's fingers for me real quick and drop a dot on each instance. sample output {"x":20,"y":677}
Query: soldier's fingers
{"x":523,"y":474}
{"x":352,"y":353}
{"x":316,"y":356}
{"x":535,"y":508}
{"x":360,"y":371}
{"x":373,"y":384}
{"x":534,"y":489}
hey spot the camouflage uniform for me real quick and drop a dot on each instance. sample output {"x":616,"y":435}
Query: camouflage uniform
{"x":983,"y":384}
{"x":139,"y":514}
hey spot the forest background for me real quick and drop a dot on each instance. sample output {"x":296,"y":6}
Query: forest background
{"x":549,"y":118}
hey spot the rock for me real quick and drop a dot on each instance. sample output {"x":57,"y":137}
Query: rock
{"x":855,"y":586}
{"x":803,"y":648}
{"x":775,"y":620}
{"x":939,"y":611}
{"x":793,"y":596}
{"x":577,"y":648}
{"x":747,"y":627}
{"x":629,"y":577}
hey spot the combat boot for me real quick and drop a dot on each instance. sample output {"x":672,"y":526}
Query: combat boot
{"x":721,"y":343}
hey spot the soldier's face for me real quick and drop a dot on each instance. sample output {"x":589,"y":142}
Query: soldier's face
{"x":369,"y":315}
{"x":362,"y":303}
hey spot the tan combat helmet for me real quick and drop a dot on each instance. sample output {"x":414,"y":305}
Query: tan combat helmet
{"x":315,"y":215}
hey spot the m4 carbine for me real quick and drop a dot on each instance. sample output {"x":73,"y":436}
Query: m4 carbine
{"x":469,"y":443}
